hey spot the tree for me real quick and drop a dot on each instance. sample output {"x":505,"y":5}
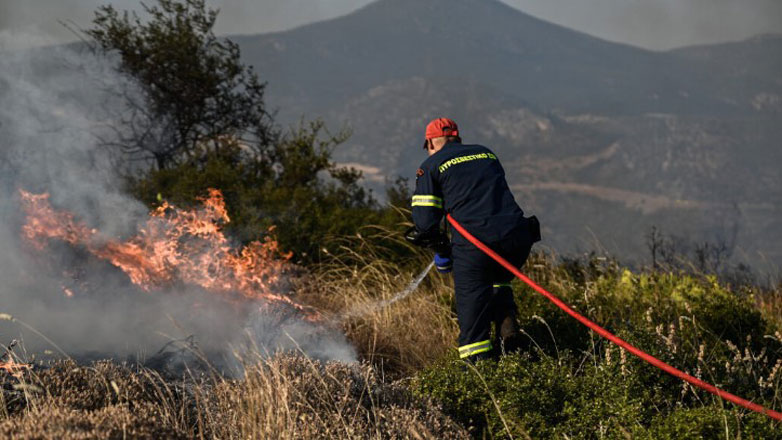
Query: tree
{"x":194,"y":88}
{"x":201,"y":118}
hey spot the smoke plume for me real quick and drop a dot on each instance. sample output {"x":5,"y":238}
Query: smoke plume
{"x":55,"y":105}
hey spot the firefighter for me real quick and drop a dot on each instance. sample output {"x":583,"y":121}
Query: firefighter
{"x":468,"y":182}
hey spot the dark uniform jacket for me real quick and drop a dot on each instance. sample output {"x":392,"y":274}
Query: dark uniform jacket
{"x":468,"y":182}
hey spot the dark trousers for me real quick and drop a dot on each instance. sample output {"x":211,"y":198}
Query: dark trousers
{"x":482,"y":291}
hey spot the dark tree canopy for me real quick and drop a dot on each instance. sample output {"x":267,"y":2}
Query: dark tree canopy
{"x":201,"y":122}
{"x":194,"y":87}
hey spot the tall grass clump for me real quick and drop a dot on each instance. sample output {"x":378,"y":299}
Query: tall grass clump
{"x":355,"y":283}
{"x":297,"y":398}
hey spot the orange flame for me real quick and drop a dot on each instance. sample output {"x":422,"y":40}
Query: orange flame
{"x":14,"y":368}
{"x":174,"y":245}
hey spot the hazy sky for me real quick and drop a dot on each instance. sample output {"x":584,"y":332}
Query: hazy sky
{"x":655,"y":24}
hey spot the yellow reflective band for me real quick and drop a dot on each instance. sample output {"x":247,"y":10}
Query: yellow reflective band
{"x":447,"y":164}
{"x":427,"y":197}
{"x":427,"y":200}
{"x":476,"y":348}
{"x":497,"y":286}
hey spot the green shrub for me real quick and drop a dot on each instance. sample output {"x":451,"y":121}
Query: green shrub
{"x":576,"y":398}
{"x":713,"y":422}
{"x":570,"y":383}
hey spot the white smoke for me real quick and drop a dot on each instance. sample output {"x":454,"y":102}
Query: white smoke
{"x":55,"y":105}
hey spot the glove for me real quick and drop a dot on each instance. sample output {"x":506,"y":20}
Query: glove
{"x":443,"y":264}
{"x":432,"y":239}
{"x":415,"y":237}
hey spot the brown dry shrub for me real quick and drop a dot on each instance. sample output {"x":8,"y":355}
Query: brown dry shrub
{"x":94,"y":387}
{"x":53,"y":420}
{"x":103,"y":400}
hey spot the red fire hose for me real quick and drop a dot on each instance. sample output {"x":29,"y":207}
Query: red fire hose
{"x":606,"y":334}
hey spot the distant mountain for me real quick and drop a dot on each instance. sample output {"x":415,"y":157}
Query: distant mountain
{"x":319,"y":65}
{"x":601,"y":140}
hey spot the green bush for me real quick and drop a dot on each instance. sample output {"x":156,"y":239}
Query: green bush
{"x":570,"y":383}
{"x":575,"y":397}
{"x":712,"y":422}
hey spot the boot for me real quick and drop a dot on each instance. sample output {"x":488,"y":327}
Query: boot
{"x":508,"y":334}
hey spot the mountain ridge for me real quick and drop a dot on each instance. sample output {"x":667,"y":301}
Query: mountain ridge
{"x":695,"y":124}
{"x":541,"y":62}
{"x":385,"y":42}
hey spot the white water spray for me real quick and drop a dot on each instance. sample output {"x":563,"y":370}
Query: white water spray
{"x":365,"y":309}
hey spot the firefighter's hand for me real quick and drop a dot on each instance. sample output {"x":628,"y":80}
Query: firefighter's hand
{"x":434,"y":240}
{"x":443,"y":264}
{"x":413,"y":236}
{"x":423,"y":239}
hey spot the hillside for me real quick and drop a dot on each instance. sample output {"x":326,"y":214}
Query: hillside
{"x":601,"y":140}
{"x":752,"y":66}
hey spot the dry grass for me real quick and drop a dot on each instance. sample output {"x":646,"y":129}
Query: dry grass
{"x":403,"y":337}
{"x":291,"y":398}
{"x":286,"y":397}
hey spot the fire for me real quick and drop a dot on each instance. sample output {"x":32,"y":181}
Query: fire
{"x":44,"y":222}
{"x":10,"y":366}
{"x":174,"y":245}
{"x":14,"y":368}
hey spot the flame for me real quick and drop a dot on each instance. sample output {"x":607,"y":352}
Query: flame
{"x":174,"y":245}
{"x":14,"y":368}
